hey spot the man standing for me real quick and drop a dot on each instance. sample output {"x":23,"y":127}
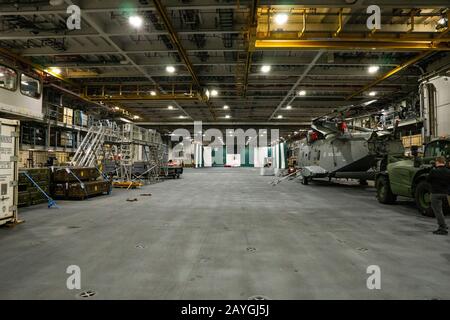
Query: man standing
{"x":439,"y":178}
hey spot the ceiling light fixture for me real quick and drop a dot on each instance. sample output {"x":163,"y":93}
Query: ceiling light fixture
{"x":442,"y":21}
{"x":55,"y":70}
{"x":280,"y":116}
{"x":373,"y":69}
{"x":170,"y":69}
{"x":225,"y":107}
{"x":281,"y":18}
{"x":302,"y":93}
{"x":214,"y":93}
{"x":265,"y":68}
{"x":153,"y":93}
{"x":227,"y":116}
{"x":288,"y":107}
{"x":135,"y":21}
{"x":170,"y":107}
{"x":372,"y":93}
{"x":181,"y":117}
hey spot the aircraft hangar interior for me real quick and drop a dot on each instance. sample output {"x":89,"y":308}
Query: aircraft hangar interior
{"x":224,"y":150}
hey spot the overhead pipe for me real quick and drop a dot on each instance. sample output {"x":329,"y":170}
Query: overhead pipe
{"x":303,"y":26}
{"x":340,"y":23}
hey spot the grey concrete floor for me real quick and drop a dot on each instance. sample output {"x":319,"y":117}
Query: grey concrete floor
{"x":225,"y":233}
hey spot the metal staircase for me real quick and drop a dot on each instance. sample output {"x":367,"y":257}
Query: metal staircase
{"x":91,"y":148}
{"x":108,"y":142}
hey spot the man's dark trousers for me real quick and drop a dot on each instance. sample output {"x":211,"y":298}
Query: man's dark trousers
{"x":437,"y":201}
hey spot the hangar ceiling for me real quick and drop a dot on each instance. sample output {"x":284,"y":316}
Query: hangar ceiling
{"x":318,"y":60}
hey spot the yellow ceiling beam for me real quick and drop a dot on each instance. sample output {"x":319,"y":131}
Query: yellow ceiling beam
{"x":391,"y":73}
{"x":362,"y":45}
{"x":351,"y":36}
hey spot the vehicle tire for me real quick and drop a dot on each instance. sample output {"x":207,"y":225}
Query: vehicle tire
{"x":305,"y":181}
{"x":384,"y":192}
{"x":422,"y":195}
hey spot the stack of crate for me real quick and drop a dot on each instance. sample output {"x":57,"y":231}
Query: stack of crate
{"x":29,"y":194}
{"x":68,"y":116}
{"x":66,"y":183}
{"x":80,"y":118}
{"x":67,"y":139}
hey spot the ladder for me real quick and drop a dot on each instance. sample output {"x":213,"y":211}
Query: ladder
{"x":126,"y":149}
{"x":91,"y":147}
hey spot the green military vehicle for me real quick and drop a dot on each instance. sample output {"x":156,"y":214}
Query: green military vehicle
{"x":407,"y":177}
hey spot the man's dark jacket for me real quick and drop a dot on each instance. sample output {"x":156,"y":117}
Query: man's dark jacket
{"x":439,"y":178}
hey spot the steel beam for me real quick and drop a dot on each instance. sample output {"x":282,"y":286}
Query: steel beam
{"x":252,"y":21}
{"x":350,"y":45}
{"x":95,"y":25}
{"x":176,"y":41}
{"x":391,"y":73}
{"x":136,"y":97}
{"x":291,"y":92}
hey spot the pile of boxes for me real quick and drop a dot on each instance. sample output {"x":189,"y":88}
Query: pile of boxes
{"x":68,"y":116}
{"x":29,"y":194}
{"x":80,"y":118}
{"x":78,"y":183}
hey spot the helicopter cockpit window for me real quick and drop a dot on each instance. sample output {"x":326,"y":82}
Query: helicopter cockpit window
{"x":30,"y":86}
{"x":8,"y":78}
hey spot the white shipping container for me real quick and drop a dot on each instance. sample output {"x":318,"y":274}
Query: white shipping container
{"x":9,"y":169}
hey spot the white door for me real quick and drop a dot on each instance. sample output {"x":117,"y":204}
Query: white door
{"x":7,"y":172}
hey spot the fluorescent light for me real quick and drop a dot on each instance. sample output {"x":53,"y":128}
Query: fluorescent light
{"x":372,"y":93}
{"x":55,"y":70}
{"x":373,"y":69}
{"x":136,"y":117}
{"x":135,"y":21}
{"x":302,"y":93}
{"x":280,"y":116}
{"x":117,"y":108}
{"x":181,"y":117}
{"x":214,"y":93}
{"x":265,"y":68}
{"x":225,"y":107}
{"x":153,"y":93}
{"x":170,"y":69}
{"x":227,"y":116}
{"x":369,"y":102}
{"x":170,"y":107}
{"x":288,"y":107}
{"x":2,"y":74}
{"x":281,"y":18}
